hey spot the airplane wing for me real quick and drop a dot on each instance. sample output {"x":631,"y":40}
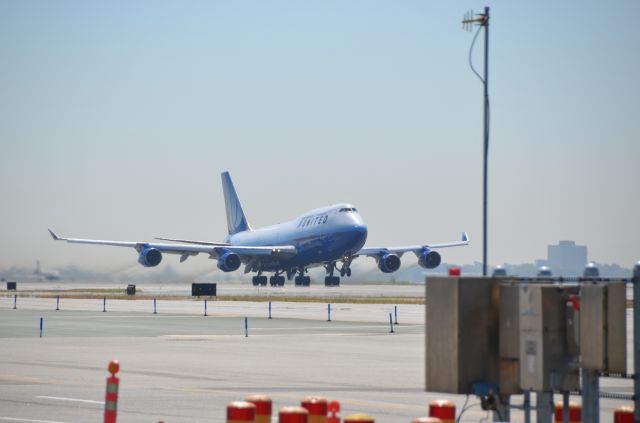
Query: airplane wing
{"x":190,"y":241}
{"x":417,"y":249}
{"x":214,"y":251}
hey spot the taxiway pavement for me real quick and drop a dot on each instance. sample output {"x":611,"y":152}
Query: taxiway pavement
{"x":181,"y":366}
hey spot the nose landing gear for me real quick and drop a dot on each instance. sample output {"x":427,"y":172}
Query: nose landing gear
{"x":346,"y":266}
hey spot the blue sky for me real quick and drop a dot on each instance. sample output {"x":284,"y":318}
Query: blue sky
{"x":116,"y":119}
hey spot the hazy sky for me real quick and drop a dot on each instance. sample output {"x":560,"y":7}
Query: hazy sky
{"x":116,"y":119}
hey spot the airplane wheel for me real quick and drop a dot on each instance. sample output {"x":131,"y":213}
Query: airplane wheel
{"x":307,"y":281}
{"x":349,"y":272}
{"x":299,"y":281}
{"x":280,"y":281}
{"x":332,"y":281}
{"x":255,"y":281}
{"x":273,"y":281}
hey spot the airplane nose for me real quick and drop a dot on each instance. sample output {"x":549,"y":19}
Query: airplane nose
{"x":361,"y":231}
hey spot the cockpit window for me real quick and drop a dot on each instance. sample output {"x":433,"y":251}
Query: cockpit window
{"x":347,"y":209}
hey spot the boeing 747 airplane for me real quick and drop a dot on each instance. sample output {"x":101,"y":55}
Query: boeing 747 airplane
{"x":321,"y":237}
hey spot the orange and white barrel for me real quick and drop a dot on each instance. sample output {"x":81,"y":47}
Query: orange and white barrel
{"x":426,"y":420}
{"x":241,"y":412}
{"x":575,"y":412}
{"x":442,"y":409}
{"x":623,"y":414}
{"x":317,"y":408}
{"x":263,"y":407}
{"x":293,"y":415}
{"x":111,"y":397}
{"x":359,"y":418}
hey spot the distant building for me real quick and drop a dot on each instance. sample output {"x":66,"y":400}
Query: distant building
{"x":567,"y":258}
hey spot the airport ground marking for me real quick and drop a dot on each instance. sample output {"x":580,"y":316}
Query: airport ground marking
{"x":86,"y":401}
{"x":17,"y":419}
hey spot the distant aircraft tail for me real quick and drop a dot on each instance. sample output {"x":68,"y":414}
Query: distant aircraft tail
{"x":236,"y":220}
{"x":37,"y":271}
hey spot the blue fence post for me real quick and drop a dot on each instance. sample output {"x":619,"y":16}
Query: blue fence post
{"x":15,"y":302}
{"x":41,"y":327}
{"x":246,"y":327}
{"x":58,"y":303}
{"x":104,"y":304}
{"x":154,"y":306}
{"x":329,"y":312}
{"x":390,"y":323}
{"x":395,"y":311}
{"x":205,"y":307}
{"x":269,"y":309}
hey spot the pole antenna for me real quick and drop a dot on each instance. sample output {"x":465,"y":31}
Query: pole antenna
{"x":482,"y":21}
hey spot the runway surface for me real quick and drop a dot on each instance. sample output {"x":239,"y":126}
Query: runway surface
{"x":346,"y":290}
{"x":181,"y":366}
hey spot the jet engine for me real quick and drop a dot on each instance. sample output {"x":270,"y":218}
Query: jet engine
{"x":429,"y":259}
{"x":228,"y":261}
{"x":150,"y":257}
{"x":389,"y":263}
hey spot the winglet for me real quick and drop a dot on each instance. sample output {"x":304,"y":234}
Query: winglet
{"x":54,"y":236}
{"x":465,"y":237}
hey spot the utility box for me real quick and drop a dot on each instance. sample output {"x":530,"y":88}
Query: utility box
{"x":461,"y":333}
{"x":603,"y":334}
{"x":203,"y":289}
{"x":131,"y":290}
{"x":509,"y":343}
{"x":545,"y":362}
{"x":12,"y":286}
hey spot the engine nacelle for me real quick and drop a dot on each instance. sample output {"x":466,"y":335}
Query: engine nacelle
{"x":150,"y":257}
{"x":429,"y":259}
{"x":228,"y":262}
{"x":389,"y":263}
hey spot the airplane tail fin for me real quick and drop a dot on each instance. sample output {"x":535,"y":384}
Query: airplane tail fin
{"x":37,"y":270}
{"x":236,"y":220}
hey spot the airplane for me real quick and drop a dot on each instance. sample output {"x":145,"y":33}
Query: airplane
{"x":48,"y":275}
{"x":322,"y":237}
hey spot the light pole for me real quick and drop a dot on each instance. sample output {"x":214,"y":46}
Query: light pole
{"x":482,"y":20}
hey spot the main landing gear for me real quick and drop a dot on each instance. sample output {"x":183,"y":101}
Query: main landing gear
{"x":345,"y":270}
{"x":259,"y":280}
{"x":301,"y":279}
{"x":331,"y":280}
{"x":276,"y":280}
